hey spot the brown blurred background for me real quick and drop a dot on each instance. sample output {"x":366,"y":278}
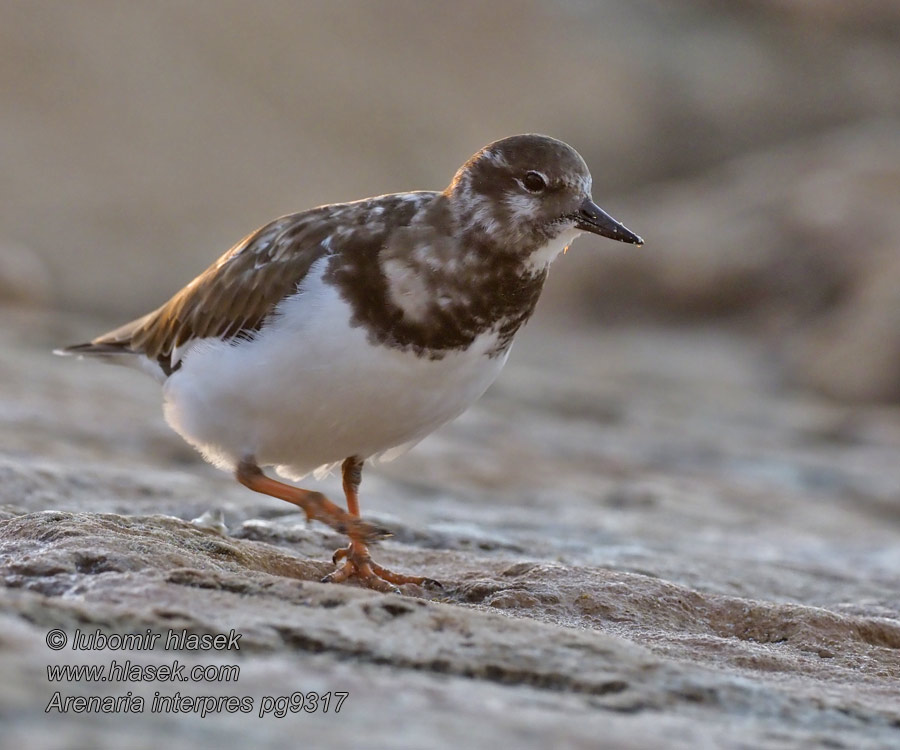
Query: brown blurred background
{"x":754,"y":144}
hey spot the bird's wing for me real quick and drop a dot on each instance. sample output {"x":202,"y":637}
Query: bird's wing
{"x":231,"y":298}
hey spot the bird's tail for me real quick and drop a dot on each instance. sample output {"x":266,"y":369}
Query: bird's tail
{"x":116,"y":347}
{"x":92,"y":349}
{"x":112,"y":343}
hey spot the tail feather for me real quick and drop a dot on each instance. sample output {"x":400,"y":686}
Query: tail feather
{"x":117,"y":341}
{"x":117,"y":347}
{"x":93,"y":349}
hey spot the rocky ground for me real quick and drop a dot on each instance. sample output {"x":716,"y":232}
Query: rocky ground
{"x":645,"y":541}
{"x":654,"y":531}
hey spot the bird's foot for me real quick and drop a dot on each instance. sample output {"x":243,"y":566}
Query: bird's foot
{"x":358,"y":565}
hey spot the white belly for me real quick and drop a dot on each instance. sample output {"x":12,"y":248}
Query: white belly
{"x":310,"y":390}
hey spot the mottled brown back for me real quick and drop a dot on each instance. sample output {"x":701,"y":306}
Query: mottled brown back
{"x":232,"y":297}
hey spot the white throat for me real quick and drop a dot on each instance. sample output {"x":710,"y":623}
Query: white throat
{"x":545,"y":255}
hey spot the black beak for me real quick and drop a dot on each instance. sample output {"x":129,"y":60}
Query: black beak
{"x":592,"y":218}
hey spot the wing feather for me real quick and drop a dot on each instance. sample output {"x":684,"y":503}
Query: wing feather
{"x":236,"y":294}
{"x":232,"y":297}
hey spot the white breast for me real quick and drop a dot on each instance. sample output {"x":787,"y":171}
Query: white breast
{"x":311,"y":390}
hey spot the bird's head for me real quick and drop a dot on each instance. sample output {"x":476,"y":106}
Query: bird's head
{"x":531,"y":189}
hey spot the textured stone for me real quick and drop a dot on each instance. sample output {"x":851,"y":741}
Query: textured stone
{"x":642,"y":544}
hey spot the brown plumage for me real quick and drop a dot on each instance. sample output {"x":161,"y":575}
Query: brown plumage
{"x":230,"y":298}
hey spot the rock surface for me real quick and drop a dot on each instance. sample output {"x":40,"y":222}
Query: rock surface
{"x":644,"y":543}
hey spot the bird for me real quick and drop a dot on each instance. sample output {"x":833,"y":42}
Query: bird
{"x":348,"y":332}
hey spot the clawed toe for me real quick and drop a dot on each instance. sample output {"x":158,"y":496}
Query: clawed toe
{"x":360,"y":573}
{"x":360,"y":567}
{"x":398,"y":579}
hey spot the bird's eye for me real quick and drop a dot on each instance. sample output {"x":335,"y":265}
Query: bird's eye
{"x":534,"y":182}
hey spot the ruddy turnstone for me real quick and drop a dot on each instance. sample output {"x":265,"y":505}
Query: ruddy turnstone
{"x":351,"y":331}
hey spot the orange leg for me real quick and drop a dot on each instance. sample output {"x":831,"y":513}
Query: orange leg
{"x":314,"y":504}
{"x":357,"y":563}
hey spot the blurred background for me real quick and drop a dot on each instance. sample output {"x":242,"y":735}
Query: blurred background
{"x":754,"y":144}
